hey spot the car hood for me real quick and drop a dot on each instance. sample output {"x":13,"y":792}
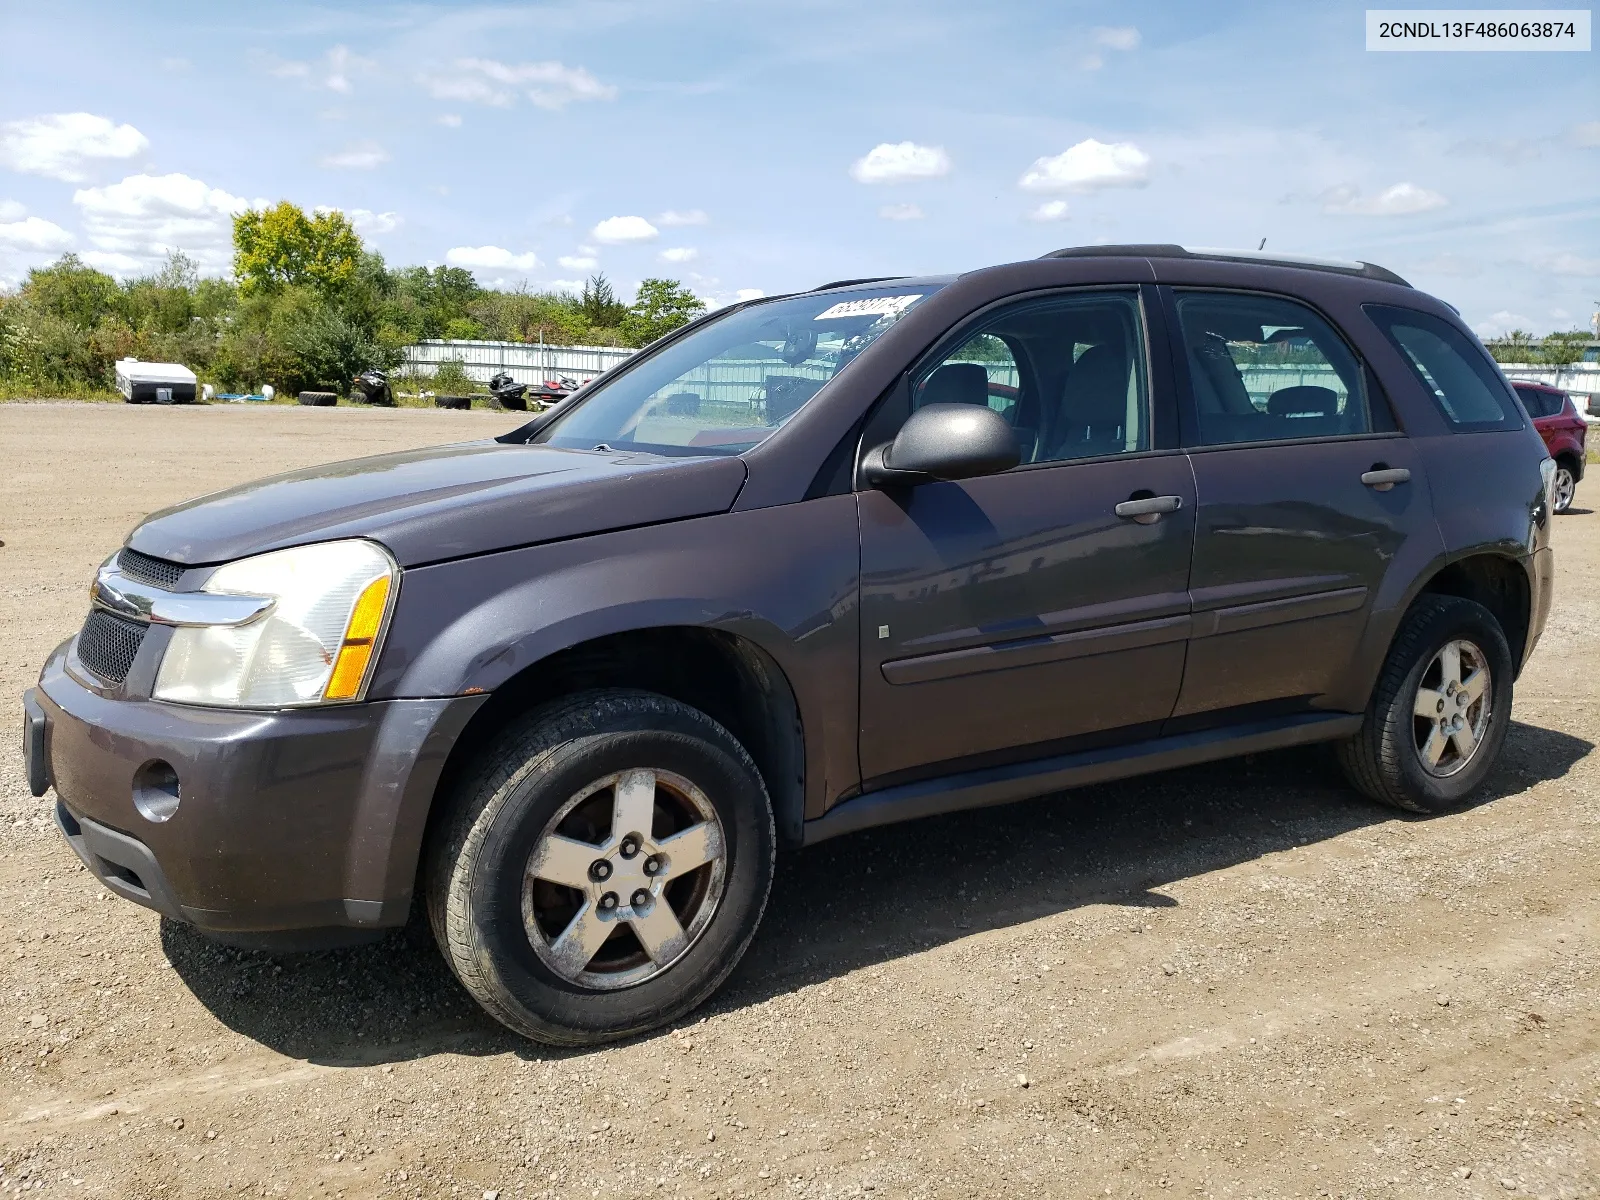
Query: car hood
{"x":443,"y":502}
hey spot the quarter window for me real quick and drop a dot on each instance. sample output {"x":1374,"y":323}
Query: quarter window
{"x":1266,"y":369}
{"x":1456,"y":372}
{"x":1068,"y":373}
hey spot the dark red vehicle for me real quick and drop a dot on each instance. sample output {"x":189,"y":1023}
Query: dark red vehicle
{"x":1563,"y":430}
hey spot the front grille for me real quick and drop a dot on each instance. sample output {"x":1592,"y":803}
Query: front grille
{"x":149,"y":570}
{"x":108,"y":644}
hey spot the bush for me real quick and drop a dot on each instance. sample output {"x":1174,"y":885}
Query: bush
{"x":312,"y":309}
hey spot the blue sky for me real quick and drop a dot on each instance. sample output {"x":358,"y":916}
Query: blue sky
{"x":744,"y":146}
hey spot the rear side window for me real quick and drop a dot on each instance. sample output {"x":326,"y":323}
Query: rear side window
{"x":1536,"y":402}
{"x":1454,"y":369}
{"x":1263,"y":368}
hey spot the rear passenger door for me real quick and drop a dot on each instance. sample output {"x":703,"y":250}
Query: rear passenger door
{"x":1306,"y":496}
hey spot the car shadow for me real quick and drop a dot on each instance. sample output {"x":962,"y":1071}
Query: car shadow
{"x":863,"y":899}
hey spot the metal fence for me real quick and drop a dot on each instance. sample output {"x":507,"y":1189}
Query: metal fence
{"x":525,"y":363}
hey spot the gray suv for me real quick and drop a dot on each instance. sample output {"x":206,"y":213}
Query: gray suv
{"x":880,"y":550}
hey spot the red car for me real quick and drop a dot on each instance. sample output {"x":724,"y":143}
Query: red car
{"x":1557,"y":420}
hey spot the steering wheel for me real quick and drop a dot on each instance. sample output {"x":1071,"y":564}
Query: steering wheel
{"x":798,"y":346}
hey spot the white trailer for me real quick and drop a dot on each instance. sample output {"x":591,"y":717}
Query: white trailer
{"x":155,"y":383}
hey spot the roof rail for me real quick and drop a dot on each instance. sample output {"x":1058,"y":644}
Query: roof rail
{"x":838,"y":283}
{"x":1269,"y":258}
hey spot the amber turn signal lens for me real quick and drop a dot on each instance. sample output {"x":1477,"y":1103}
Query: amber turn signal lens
{"x":350,"y":668}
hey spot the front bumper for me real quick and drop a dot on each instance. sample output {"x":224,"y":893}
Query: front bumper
{"x":296,"y":819}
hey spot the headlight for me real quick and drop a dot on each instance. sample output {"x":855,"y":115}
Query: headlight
{"x":1547,"y":476}
{"x":316,"y":643}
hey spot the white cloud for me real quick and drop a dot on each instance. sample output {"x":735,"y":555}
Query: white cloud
{"x":900,"y":162}
{"x":114,"y":263}
{"x":1089,"y":164}
{"x":614,"y":231}
{"x":331,"y":71}
{"x":62,"y":145}
{"x":367,"y":223}
{"x":492,"y":257}
{"x":565,"y":285}
{"x":1400,"y":200}
{"x":901,"y":212}
{"x":578,"y":262}
{"x":340,"y":64}
{"x":33,"y":233}
{"x":680,"y":254}
{"x":1501,"y":322}
{"x":1050,"y":210}
{"x":1587,"y":134}
{"x":744,"y":294}
{"x":448,"y":120}
{"x":1117,"y":37}
{"x":359,"y":156}
{"x":10,"y":210}
{"x":672,"y":219}
{"x":1572,"y":264}
{"x":1457,"y":265}
{"x":486,"y":81}
{"x":133,"y":224}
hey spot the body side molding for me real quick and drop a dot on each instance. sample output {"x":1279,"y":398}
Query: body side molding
{"x":1021,"y":781}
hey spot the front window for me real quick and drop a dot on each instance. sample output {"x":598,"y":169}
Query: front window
{"x":731,"y":383}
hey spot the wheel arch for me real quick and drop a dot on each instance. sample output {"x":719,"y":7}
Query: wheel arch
{"x":1498,"y":582}
{"x":725,"y":675}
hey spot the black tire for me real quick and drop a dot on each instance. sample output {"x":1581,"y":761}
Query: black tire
{"x":459,"y":402}
{"x":512,"y":403}
{"x":319,"y":399}
{"x":478,"y":854}
{"x":1382,"y":760}
{"x":1566,"y":485}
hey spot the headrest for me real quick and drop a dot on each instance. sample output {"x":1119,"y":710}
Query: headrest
{"x":1305,"y":401}
{"x":1096,"y":391}
{"x":956,"y":383}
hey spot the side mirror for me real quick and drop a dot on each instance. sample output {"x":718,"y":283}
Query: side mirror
{"x":944,"y":441}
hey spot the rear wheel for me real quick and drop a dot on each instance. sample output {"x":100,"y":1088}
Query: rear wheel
{"x":1440,"y":711}
{"x":605,"y":868}
{"x":1565,"y":488}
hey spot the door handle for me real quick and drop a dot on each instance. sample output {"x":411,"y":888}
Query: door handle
{"x":1148,"y":509}
{"x":1381,"y":479}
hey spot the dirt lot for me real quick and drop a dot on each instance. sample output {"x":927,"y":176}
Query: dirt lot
{"x":1231,"y":981}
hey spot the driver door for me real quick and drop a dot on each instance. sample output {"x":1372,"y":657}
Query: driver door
{"x":1018,"y":615}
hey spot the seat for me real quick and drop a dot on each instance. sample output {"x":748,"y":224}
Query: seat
{"x":956,"y":383}
{"x":1094,"y":405}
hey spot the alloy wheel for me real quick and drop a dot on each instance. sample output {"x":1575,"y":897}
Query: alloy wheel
{"x":1452,"y":707}
{"x":1565,"y":488}
{"x":624,"y":878}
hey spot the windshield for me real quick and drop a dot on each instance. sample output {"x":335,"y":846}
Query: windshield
{"x":728,"y":385}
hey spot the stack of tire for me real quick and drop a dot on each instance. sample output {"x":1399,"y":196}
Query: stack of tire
{"x":319,"y":399}
{"x":458,"y":402}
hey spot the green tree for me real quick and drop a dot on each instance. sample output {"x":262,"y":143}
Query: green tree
{"x":660,"y":307}
{"x":282,"y":247}
{"x":599,"y":305}
{"x":70,"y":291}
{"x":1563,"y":349}
{"x":1514,"y":347}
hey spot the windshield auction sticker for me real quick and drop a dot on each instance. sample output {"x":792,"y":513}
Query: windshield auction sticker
{"x":1477,"y":29}
{"x":875,"y":306}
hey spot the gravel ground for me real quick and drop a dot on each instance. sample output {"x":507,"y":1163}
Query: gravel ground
{"x":1238,"y":980}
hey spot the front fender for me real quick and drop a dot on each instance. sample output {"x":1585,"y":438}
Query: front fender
{"x":785,"y":578}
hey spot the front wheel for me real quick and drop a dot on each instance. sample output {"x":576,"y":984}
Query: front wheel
{"x":1440,"y":710}
{"x":1565,"y":488}
{"x":605,"y":868}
